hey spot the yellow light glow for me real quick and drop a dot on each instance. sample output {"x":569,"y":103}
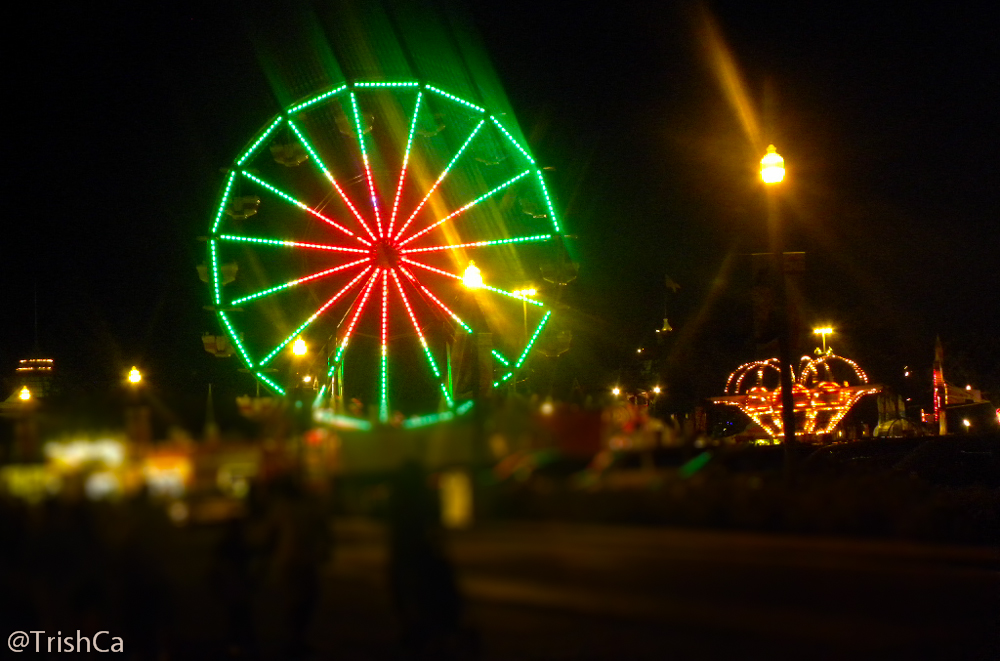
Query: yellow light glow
{"x":823,"y":331}
{"x":772,"y":166}
{"x":473,"y":277}
{"x":656,"y":389}
{"x":25,"y":394}
{"x":525,"y":292}
{"x":966,"y":422}
{"x":134,"y":375}
{"x":299,"y":347}
{"x":307,"y":379}
{"x":616,"y":391}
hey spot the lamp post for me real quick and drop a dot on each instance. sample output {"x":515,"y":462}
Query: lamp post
{"x":824,"y":332}
{"x":472,"y":279}
{"x":772,"y":173}
{"x":524,"y":294}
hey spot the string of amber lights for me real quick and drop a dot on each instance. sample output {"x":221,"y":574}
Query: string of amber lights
{"x":820,"y":401}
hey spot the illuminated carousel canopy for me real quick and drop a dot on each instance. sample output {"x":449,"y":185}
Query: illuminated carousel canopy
{"x":820,"y":397}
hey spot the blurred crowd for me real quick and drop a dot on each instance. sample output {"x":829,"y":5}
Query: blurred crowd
{"x":126,"y":567}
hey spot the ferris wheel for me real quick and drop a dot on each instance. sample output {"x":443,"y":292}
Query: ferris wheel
{"x":371,"y":226}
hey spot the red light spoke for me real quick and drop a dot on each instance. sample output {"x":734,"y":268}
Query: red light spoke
{"x":416,"y":326}
{"x":307,"y":322}
{"x":416,"y":283}
{"x":340,"y":227}
{"x":466,"y":207}
{"x":299,"y":281}
{"x":384,"y":408}
{"x":437,"y":182}
{"x":430,"y":268}
{"x":364,"y":158}
{"x":357,"y":314}
{"x":406,"y":161}
{"x":290,"y":244}
{"x":322,"y":166}
{"x":479,"y":244}
{"x":305,"y":207}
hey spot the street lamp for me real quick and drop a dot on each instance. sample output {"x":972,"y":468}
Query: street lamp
{"x":824,"y":332}
{"x":25,"y":394}
{"x":772,"y":166}
{"x":772,"y":172}
{"x":616,"y":391}
{"x":473,"y":277}
{"x":299,"y":347}
{"x":134,"y":376}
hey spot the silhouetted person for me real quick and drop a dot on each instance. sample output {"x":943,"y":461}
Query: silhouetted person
{"x":424,"y":592}
{"x":235,"y":584}
{"x":299,"y":537}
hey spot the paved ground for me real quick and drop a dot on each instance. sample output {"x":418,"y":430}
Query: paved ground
{"x":562,"y":591}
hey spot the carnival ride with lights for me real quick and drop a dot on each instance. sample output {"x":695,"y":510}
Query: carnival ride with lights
{"x":822,"y":393}
{"x":352,"y":230}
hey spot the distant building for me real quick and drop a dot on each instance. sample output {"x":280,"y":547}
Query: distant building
{"x":36,"y":374}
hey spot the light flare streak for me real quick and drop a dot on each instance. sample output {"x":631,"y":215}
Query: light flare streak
{"x":441,"y":177}
{"x":329,"y":177}
{"x":467,"y":206}
{"x":333,"y":299}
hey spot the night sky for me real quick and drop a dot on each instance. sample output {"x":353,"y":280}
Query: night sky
{"x":119,"y":117}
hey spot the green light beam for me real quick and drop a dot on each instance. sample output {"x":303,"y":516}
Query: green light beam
{"x":304,"y":207}
{"x":225,"y":199}
{"x":524,"y":354}
{"x":406,"y":160}
{"x":548,"y":202}
{"x":292,"y":283}
{"x":289,"y":244}
{"x":317,"y":99}
{"x":236,"y":339}
{"x":364,"y":156}
{"x":307,"y":322}
{"x":440,"y":178}
{"x":329,"y":177}
{"x":468,"y":206}
{"x":478,"y":244}
{"x":454,"y":98}
{"x":242,"y":159}
{"x":434,"y":298}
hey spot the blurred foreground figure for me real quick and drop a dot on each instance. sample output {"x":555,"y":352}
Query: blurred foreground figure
{"x":422,"y":581}
{"x":299,"y":537}
{"x":236,"y":587}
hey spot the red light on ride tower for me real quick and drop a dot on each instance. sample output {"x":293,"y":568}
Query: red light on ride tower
{"x":940,"y":389}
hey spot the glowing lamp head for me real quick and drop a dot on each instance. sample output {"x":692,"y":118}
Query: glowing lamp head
{"x":525,"y":292}
{"x":134,"y":375}
{"x":25,"y":394}
{"x":965,"y":421}
{"x":473,"y":277}
{"x":616,"y":391}
{"x":823,"y":331}
{"x":656,"y":389}
{"x":772,"y":166}
{"x":299,"y":347}
{"x":307,"y":379}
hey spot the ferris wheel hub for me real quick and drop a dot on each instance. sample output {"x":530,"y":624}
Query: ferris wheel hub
{"x":386,"y":253}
